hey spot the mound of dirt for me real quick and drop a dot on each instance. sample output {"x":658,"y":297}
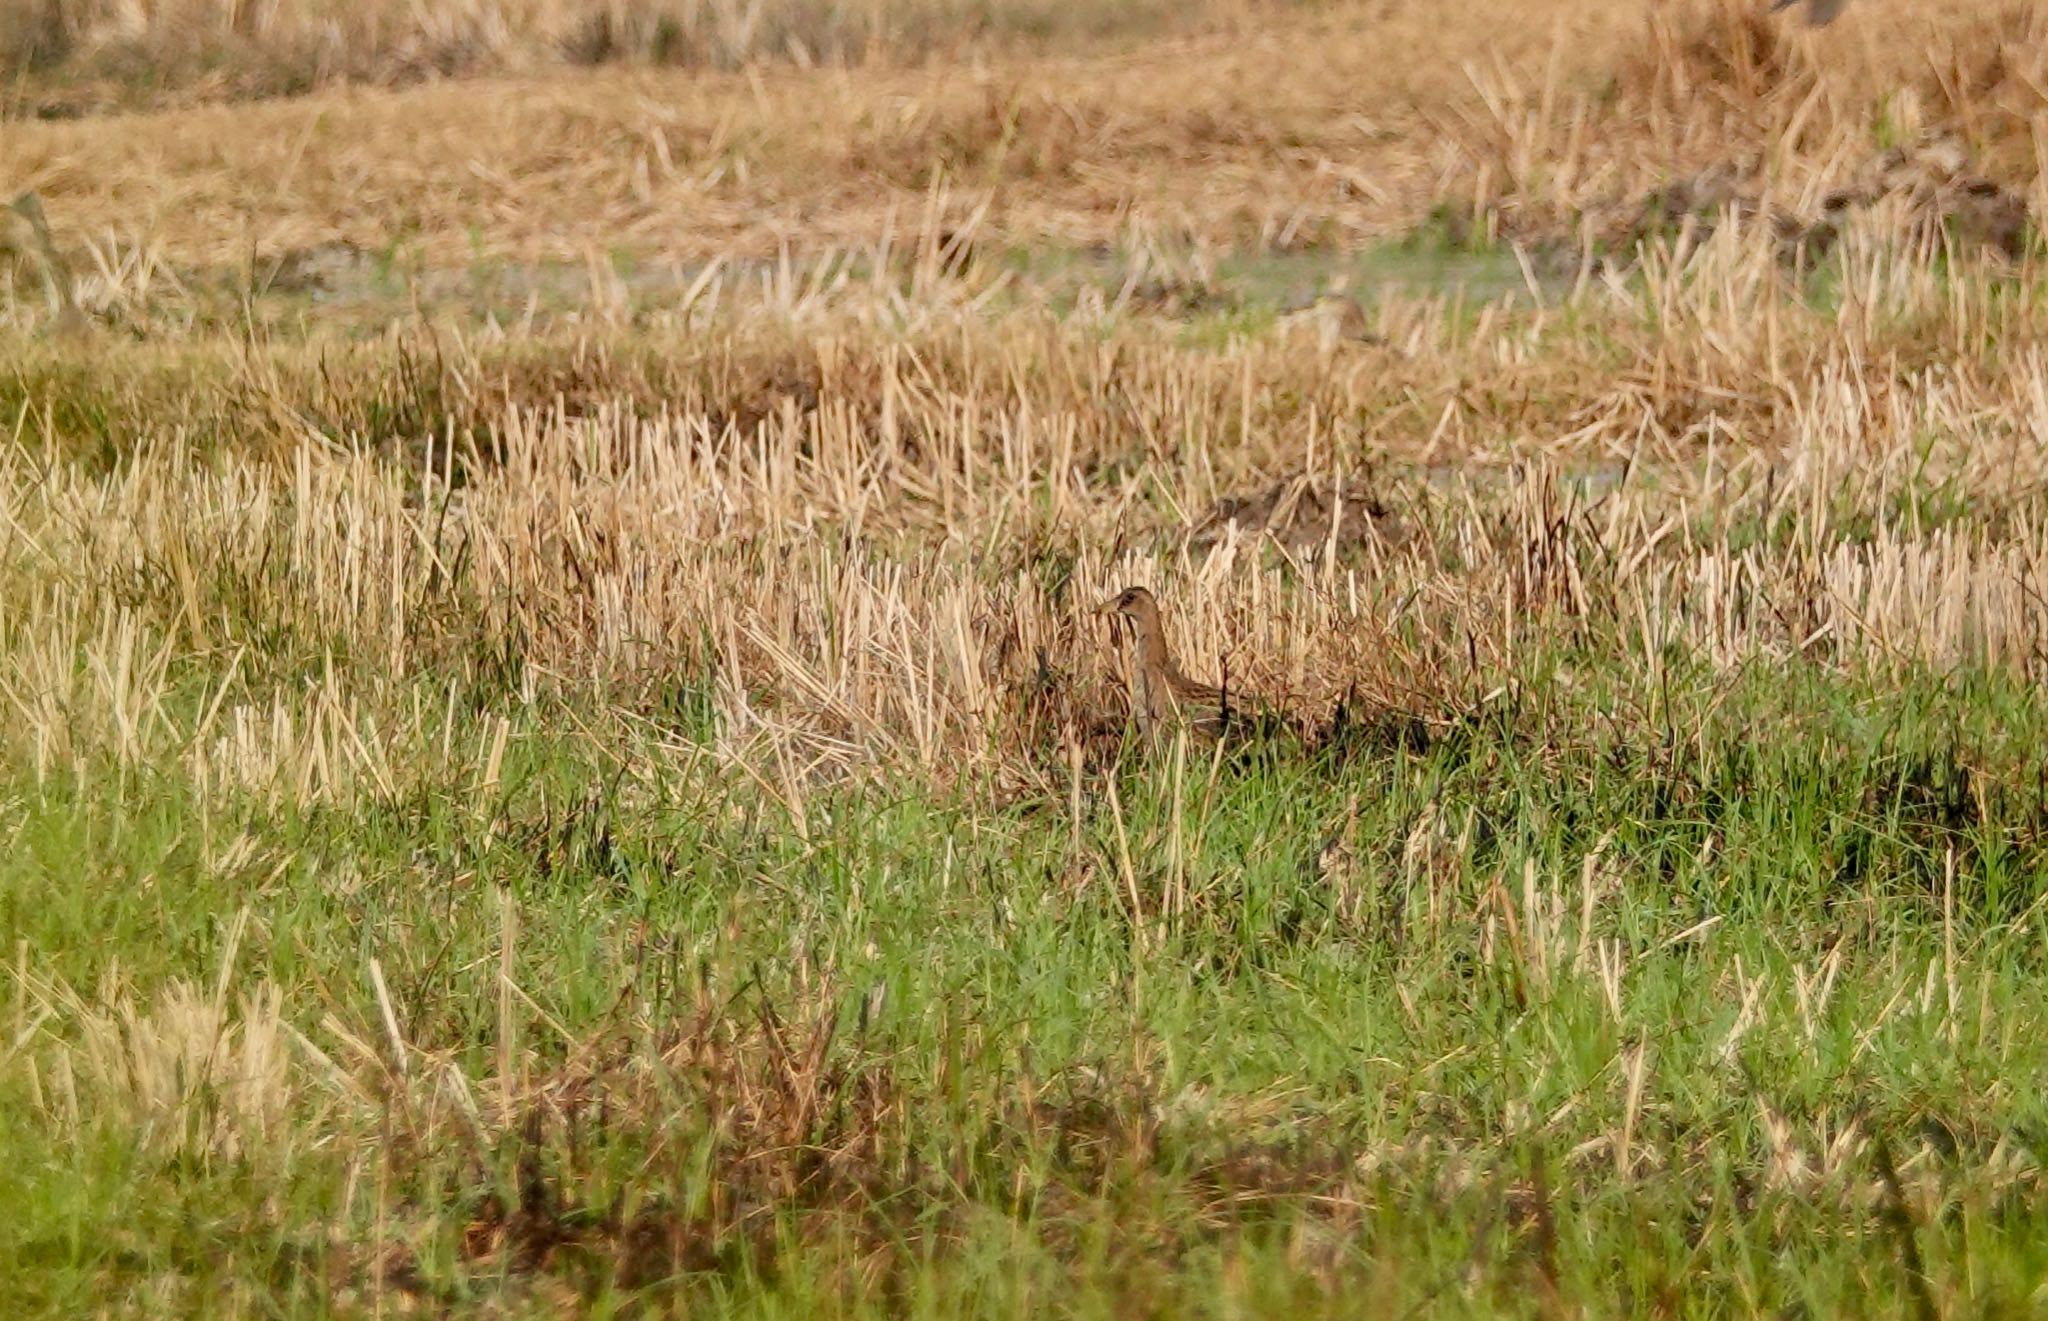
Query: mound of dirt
{"x":1934,"y":180}
{"x":1930,"y":181}
{"x":1304,"y":515}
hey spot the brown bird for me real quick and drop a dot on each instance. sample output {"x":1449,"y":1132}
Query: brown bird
{"x":1161,"y":695}
{"x":1819,"y":13}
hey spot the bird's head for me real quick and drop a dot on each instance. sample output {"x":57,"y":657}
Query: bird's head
{"x":1132,"y":603}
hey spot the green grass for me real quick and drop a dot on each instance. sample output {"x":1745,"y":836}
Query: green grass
{"x":1269,"y":1096}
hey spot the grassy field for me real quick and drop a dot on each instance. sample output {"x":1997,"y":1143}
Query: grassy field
{"x":557,"y":754}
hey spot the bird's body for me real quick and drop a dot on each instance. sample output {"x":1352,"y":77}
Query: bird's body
{"x":1162,"y":696}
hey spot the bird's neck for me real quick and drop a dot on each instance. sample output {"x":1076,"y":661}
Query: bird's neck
{"x":1152,"y":651}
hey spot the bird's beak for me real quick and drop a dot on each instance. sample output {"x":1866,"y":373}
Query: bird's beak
{"x":1107,"y":607}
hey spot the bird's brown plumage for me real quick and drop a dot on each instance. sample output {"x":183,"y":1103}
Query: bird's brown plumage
{"x":1161,"y":694}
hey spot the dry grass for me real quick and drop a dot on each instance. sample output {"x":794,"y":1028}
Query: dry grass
{"x":850,"y":559}
{"x":1568,"y":111}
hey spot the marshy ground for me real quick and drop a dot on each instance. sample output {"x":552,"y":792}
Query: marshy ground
{"x":556,"y":751}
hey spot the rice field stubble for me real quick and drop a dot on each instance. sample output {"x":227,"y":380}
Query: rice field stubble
{"x":630,"y":804}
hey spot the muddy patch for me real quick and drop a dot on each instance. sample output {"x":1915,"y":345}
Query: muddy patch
{"x":1304,"y":516}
